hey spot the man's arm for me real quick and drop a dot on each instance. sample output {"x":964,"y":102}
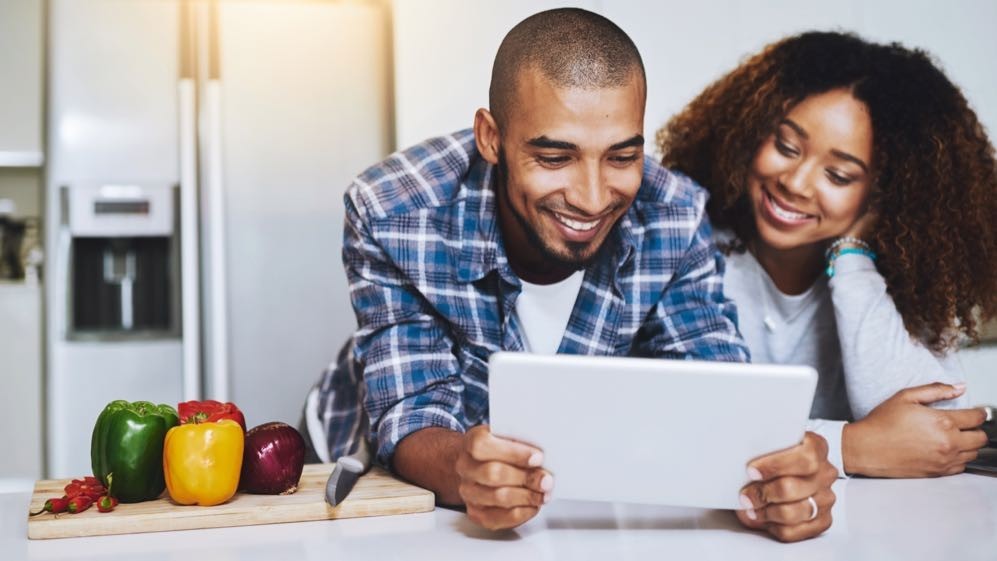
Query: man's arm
{"x":414,"y":393}
{"x":500,"y":481}
{"x":409,"y":371}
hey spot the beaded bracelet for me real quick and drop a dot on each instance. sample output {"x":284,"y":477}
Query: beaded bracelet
{"x":845,"y":251}
{"x":846,"y":240}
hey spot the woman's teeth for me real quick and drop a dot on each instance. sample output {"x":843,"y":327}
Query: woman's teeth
{"x":783,"y":212}
{"x":576,"y":224}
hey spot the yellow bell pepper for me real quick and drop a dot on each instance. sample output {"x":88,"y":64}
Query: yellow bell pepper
{"x":202,"y":462}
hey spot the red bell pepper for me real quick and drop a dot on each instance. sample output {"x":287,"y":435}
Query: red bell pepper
{"x":208,"y":411}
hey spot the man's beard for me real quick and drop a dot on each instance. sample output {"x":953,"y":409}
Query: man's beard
{"x":573,"y":259}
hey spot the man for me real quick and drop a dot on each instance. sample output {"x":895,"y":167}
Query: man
{"x":544,"y":229}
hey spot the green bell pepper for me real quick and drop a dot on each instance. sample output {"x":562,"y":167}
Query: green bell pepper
{"x":128,"y":442}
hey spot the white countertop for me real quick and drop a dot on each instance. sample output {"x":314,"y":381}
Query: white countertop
{"x":953,"y":518}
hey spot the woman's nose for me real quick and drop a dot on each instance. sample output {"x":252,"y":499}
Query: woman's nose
{"x":797,"y":179}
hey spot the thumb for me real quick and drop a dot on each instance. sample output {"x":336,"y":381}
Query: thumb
{"x":930,"y":393}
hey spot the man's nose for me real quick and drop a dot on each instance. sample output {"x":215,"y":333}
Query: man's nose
{"x":590,"y":194}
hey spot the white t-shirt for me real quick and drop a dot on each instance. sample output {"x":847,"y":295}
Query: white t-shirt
{"x":544,"y":311}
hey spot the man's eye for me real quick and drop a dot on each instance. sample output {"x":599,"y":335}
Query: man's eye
{"x":625,"y":159}
{"x":552,"y":160}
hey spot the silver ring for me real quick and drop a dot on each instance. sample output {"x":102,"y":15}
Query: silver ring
{"x":813,"y":508}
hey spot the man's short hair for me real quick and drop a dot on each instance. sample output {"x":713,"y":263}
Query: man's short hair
{"x":571,"y":47}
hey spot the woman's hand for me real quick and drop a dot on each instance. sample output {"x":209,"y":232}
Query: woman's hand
{"x":791,"y":495}
{"x":903,"y":437}
{"x":863,"y":227}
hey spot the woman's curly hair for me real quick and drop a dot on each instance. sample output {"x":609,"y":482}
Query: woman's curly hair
{"x":934,"y":179}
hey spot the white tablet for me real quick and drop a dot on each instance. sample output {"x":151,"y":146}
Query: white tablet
{"x":671,"y":432}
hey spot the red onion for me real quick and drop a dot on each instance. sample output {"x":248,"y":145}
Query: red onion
{"x":272,"y":460}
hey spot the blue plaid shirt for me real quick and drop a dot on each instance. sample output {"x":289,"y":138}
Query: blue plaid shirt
{"x":434,"y":293}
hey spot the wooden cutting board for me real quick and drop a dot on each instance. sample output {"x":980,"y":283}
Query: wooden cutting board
{"x":376,"y":494}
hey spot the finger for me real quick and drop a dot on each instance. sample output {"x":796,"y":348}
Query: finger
{"x":505,"y":497}
{"x":967,"y":456}
{"x":797,"y":512}
{"x":483,"y":446}
{"x":803,"y":459}
{"x":965,"y":418}
{"x":971,"y":440}
{"x":498,"y":474}
{"x":930,"y":393}
{"x":494,"y":518}
{"x":749,"y":518}
{"x":799,"y":532}
{"x":955,"y":469}
{"x":780,"y":490}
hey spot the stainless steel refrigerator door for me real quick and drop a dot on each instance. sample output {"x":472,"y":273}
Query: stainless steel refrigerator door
{"x":112,"y":119}
{"x":299,"y":100}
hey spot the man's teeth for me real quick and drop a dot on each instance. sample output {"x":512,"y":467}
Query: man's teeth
{"x":575,"y":224}
{"x":787,"y":214}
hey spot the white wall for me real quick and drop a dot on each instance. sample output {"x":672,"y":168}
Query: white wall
{"x":444,"y":50}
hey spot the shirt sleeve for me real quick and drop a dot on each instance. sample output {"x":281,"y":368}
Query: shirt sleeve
{"x":410,"y":373}
{"x":879,"y":356}
{"x":693,"y":319}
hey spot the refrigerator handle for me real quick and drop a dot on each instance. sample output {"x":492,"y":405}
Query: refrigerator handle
{"x":190,"y":270}
{"x":190,"y":264}
{"x":214,"y":261}
{"x":217,"y":245}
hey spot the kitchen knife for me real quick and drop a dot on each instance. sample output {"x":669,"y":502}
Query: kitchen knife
{"x":346,"y":473}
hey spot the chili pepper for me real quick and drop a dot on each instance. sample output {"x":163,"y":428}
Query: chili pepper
{"x":202,"y":462}
{"x":54,"y":506}
{"x":107,"y":502}
{"x":79,"y":504}
{"x":88,"y":486}
{"x":128,"y":441}
{"x":209,"y":410}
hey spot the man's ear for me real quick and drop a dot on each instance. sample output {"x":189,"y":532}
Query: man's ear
{"x":486,"y":136}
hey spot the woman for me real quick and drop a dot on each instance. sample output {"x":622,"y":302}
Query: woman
{"x":855,"y":193}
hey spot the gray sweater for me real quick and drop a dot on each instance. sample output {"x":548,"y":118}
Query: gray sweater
{"x":847,"y":328}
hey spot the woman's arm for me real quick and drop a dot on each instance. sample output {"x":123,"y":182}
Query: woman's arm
{"x":896,"y":433}
{"x":879,"y":356}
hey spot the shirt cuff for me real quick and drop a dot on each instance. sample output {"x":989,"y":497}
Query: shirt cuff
{"x":831,"y":431}
{"x":851,"y":262}
{"x":401,"y":421}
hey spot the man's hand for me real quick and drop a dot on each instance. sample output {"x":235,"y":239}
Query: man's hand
{"x":903,"y":437}
{"x":790,"y":497}
{"x":501,"y":481}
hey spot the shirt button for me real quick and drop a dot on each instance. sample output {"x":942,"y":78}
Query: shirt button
{"x":769,"y":323}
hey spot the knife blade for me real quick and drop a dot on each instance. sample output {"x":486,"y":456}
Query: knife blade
{"x":346,"y":473}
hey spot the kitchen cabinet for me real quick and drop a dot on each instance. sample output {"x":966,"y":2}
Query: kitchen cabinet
{"x":21,"y":376}
{"x":21,"y":95}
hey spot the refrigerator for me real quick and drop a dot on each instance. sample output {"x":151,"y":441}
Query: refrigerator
{"x":197,"y":156}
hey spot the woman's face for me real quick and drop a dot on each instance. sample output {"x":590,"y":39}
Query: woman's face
{"x":810,"y":180}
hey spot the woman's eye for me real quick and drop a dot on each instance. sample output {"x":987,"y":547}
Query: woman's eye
{"x":837,"y":178}
{"x":785,"y":149}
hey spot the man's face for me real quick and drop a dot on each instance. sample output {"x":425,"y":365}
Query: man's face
{"x":570,"y":164}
